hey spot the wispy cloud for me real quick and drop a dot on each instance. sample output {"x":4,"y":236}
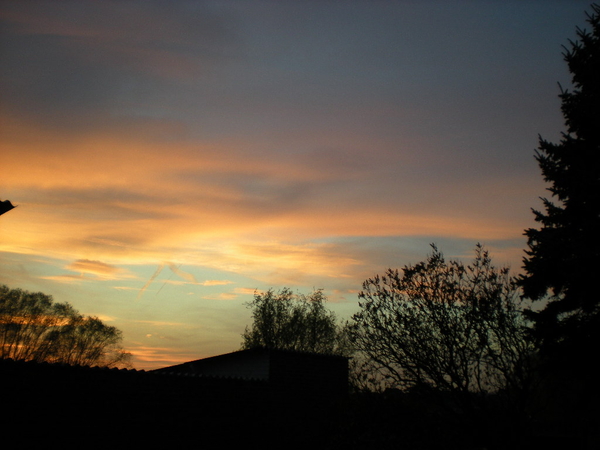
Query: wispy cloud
{"x":66,"y":278}
{"x":151,"y":357}
{"x":90,"y":270}
{"x":94,"y":267}
{"x":216,"y":282}
{"x":221,"y":296}
{"x":175,"y":269}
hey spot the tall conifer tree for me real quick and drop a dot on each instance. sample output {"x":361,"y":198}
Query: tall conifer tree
{"x":563,"y":259}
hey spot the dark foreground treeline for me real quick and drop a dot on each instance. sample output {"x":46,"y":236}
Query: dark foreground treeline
{"x":397,"y":420}
{"x":80,"y":406}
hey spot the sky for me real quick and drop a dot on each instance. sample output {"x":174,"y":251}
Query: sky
{"x":171,"y":158}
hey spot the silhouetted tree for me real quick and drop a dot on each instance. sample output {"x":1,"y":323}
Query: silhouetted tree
{"x":34,"y":328}
{"x":563,"y":256}
{"x":285,"y":320}
{"x":563,"y":259}
{"x":448,"y":329}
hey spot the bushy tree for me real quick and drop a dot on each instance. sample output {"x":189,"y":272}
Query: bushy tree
{"x":445,"y":327}
{"x":285,"y":320}
{"x":563,"y":259}
{"x":34,"y":328}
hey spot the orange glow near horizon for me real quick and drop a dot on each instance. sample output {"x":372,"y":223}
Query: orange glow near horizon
{"x":122,"y":205}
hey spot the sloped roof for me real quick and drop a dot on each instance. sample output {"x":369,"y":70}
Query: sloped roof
{"x":255,"y":363}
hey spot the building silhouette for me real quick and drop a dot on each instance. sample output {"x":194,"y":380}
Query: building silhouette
{"x":258,"y":396}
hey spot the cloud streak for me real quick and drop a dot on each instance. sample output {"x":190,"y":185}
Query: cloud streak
{"x":94,"y":267}
{"x":175,"y":269}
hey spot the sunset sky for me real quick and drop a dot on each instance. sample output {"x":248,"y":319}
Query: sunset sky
{"x":169,"y":158}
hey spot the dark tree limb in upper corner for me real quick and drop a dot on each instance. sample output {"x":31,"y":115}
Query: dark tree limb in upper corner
{"x":5,"y":206}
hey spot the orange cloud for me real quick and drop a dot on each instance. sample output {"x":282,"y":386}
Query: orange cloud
{"x":95,"y":267}
{"x":221,"y":296}
{"x":216,"y":282}
{"x":90,"y":271}
{"x":245,"y":291}
{"x":146,"y":357}
{"x":66,"y":278}
{"x":132,"y":200}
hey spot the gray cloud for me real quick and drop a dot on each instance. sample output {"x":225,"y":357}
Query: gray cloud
{"x":102,"y":204}
{"x":73,"y":63}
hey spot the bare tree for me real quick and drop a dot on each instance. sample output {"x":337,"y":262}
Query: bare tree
{"x":445,"y":327}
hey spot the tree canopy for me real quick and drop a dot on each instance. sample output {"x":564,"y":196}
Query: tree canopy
{"x":289,"y":321}
{"x":35,"y":328}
